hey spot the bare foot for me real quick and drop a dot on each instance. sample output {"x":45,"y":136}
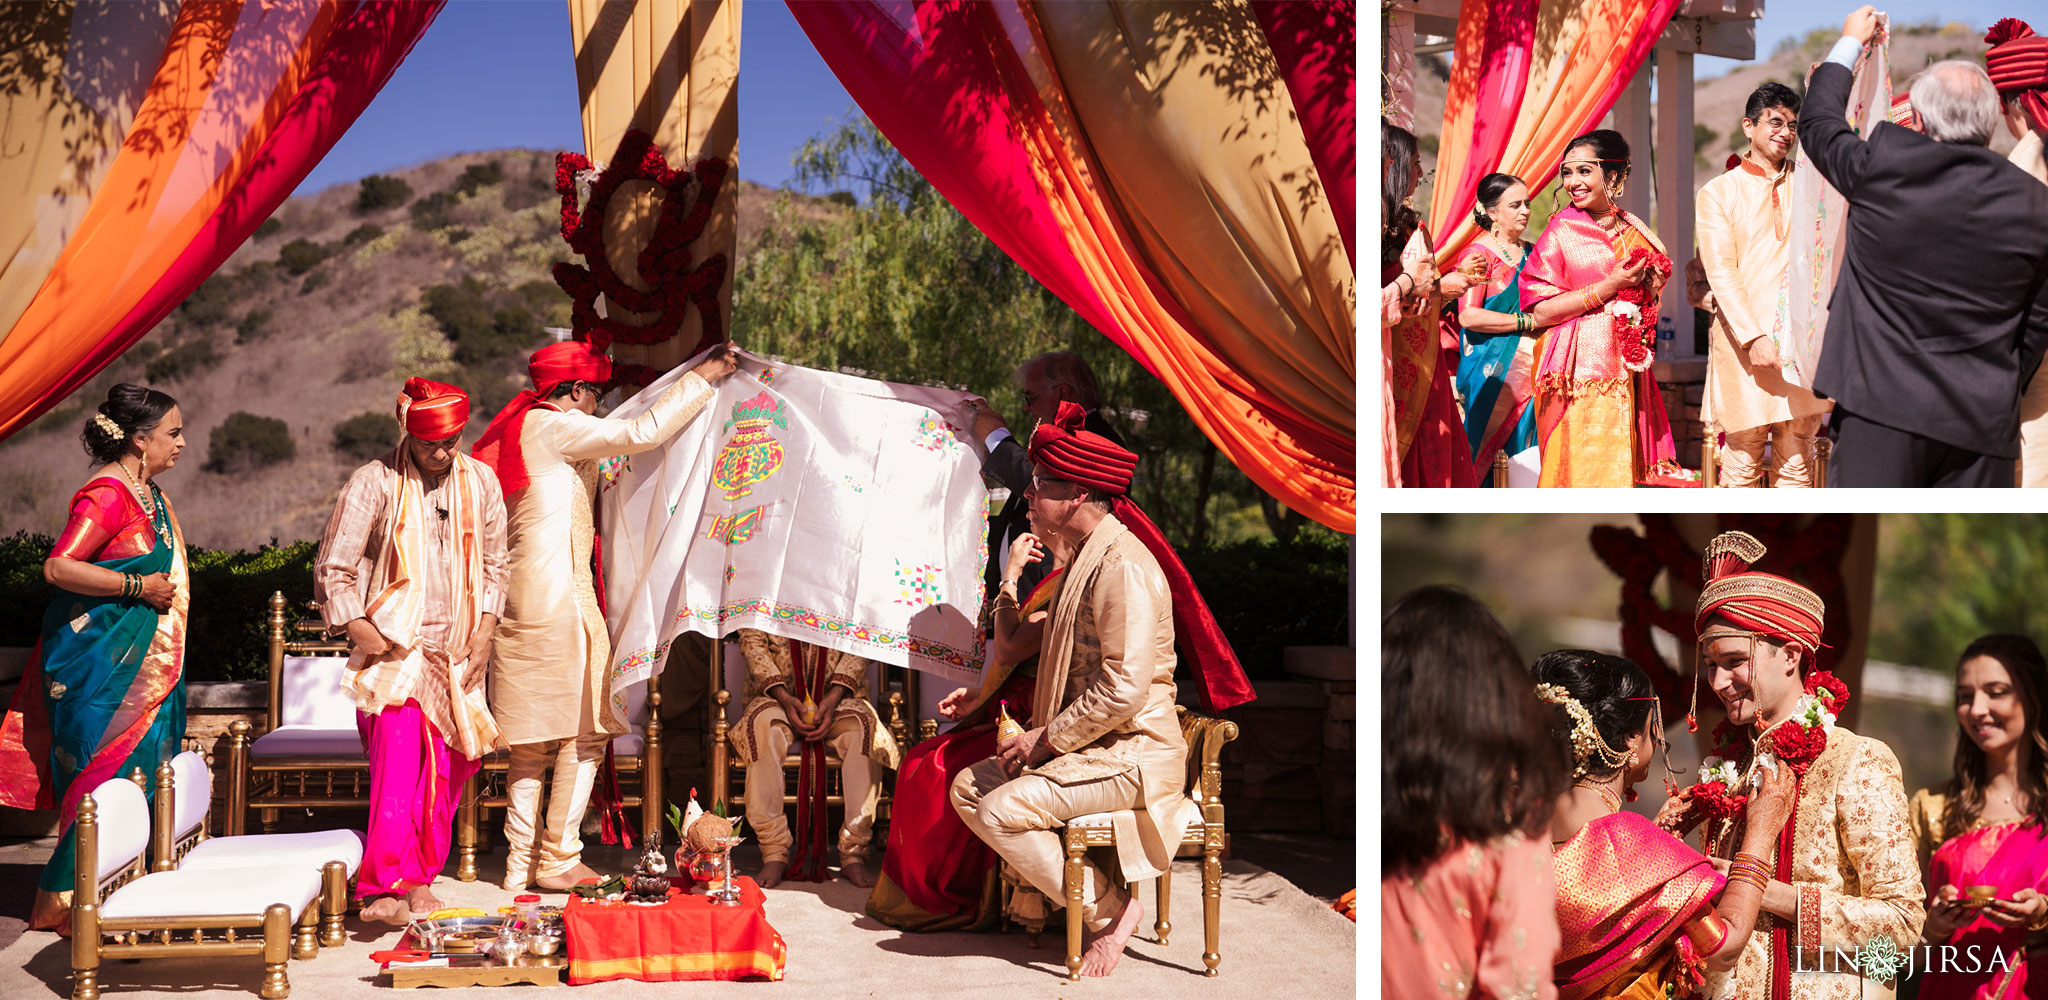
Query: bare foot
{"x":385,"y":910}
{"x":856,"y":873}
{"x":771,"y":874}
{"x":568,"y":879}
{"x":1106,"y":947}
{"x":422,"y":899}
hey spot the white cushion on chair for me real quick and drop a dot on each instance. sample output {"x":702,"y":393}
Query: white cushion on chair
{"x":309,"y":741}
{"x":1190,"y":823}
{"x":312,"y":693}
{"x":192,"y":793}
{"x":123,"y":824}
{"x":298,"y":850}
{"x":627,"y":745}
{"x":207,"y":894}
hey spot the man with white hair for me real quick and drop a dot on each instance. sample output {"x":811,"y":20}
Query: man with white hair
{"x":1940,"y":315}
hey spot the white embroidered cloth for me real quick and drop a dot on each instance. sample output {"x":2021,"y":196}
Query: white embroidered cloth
{"x":841,"y":511}
{"x":1820,"y":223}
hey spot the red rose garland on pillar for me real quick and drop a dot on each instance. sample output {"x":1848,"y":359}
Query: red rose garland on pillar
{"x":665,"y":263}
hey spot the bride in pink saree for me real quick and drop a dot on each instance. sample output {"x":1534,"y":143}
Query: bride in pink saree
{"x":1635,"y":905}
{"x":1989,"y":825}
{"x":1593,"y":280}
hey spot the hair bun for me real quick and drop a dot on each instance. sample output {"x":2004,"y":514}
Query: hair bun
{"x":1485,"y":221}
{"x":106,"y":424}
{"x":2007,"y":30}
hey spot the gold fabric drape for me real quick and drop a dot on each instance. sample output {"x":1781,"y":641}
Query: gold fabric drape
{"x":671,"y":69}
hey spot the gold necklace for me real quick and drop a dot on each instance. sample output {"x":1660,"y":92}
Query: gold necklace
{"x":1613,"y":804}
{"x":1500,"y":246}
{"x":143,"y":495}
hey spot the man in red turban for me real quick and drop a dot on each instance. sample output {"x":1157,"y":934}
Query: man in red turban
{"x":412,"y":566}
{"x":2018,"y":65}
{"x":1845,"y":871}
{"x":1105,"y":736}
{"x":548,"y":693}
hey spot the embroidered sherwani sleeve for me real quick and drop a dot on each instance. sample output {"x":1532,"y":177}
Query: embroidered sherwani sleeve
{"x":337,"y":586}
{"x":848,"y":671}
{"x":585,"y":437}
{"x":764,"y":668}
{"x":497,"y":557}
{"x":1877,"y":842}
{"x":1721,"y":257}
{"x":1125,"y":607}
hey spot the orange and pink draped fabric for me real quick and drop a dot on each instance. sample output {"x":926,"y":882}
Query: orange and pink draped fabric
{"x":147,"y":140}
{"x":1161,"y":167}
{"x":1528,"y":76}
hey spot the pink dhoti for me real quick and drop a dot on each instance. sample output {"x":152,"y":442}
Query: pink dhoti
{"x":415,"y":786}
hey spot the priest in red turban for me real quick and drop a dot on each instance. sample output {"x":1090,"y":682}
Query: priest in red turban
{"x":1845,"y":873}
{"x":412,"y":567}
{"x":1107,"y":738}
{"x":548,"y":689}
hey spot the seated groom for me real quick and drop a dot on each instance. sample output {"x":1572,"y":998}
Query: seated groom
{"x":1940,"y":315}
{"x":1105,"y":682}
{"x":800,"y":693}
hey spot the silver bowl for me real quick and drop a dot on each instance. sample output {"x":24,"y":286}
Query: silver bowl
{"x":544,"y":943}
{"x":429,"y":935}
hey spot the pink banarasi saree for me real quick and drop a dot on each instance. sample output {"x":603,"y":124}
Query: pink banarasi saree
{"x":1599,"y":423}
{"x":2011,"y":856}
{"x":1625,"y":892}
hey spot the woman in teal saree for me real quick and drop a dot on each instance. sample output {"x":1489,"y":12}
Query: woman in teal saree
{"x":105,"y":692}
{"x":1497,"y":340}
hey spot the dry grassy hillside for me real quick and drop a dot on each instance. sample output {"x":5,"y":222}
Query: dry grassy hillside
{"x":317,"y":347}
{"x":1718,"y":102}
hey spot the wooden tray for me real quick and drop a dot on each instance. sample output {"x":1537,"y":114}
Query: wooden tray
{"x":528,"y":969}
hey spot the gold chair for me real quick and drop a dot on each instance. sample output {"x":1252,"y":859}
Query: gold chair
{"x":121,"y":910}
{"x":1204,"y":836}
{"x":309,"y":754}
{"x":902,"y":686}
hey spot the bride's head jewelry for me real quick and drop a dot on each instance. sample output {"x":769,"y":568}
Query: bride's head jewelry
{"x":1587,"y":743}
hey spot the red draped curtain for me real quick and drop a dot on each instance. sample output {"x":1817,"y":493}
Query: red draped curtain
{"x":1180,"y":174}
{"x":147,"y":142}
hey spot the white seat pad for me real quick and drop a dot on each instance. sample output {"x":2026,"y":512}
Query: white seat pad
{"x":210,"y":894}
{"x":1192,"y":823}
{"x":297,"y":850}
{"x":313,"y":696}
{"x":308,"y":741}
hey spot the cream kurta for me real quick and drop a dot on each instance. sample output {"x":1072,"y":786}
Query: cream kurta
{"x":769,"y":664}
{"x":1111,"y":638}
{"x":548,"y":663}
{"x":2028,"y":155}
{"x":1855,"y":870}
{"x":1745,"y":261}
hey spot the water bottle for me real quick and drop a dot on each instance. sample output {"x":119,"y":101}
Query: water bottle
{"x":1665,"y":336}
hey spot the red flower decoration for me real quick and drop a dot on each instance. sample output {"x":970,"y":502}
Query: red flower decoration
{"x":1714,"y":802}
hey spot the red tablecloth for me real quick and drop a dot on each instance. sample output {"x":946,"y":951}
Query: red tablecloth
{"x":685,"y":938}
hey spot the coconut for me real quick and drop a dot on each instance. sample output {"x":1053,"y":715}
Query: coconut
{"x":705,"y":831}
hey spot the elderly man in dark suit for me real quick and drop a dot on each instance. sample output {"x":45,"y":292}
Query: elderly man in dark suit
{"x":1047,"y":380}
{"x":1940,"y":315}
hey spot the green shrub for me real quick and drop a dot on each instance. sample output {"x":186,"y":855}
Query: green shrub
{"x":362,"y":234}
{"x":1269,"y":595}
{"x":366,"y":435}
{"x":431,"y":212}
{"x":211,"y":303}
{"x":301,"y":255}
{"x":846,"y":198}
{"x":479,"y":175}
{"x":313,"y":283}
{"x":456,"y":234}
{"x":379,"y":192}
{"x":224,"y":630}
{"x":245,"y":442}
{"x":1702,"y":135}
{"x":254,"y":325}
{"x":460,"y":310}
{"x":269,"y":227}
{"x":181,"y":361}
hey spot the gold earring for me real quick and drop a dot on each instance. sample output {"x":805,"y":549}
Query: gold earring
{"x":1614,"y":193}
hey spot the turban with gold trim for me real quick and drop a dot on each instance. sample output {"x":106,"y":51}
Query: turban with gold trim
{"x":1755,"y":603}
{"x":2018,"y":65}
{"x":432,"y":411}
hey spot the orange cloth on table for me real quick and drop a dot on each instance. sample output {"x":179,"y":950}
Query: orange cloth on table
{"x":686,"y":938}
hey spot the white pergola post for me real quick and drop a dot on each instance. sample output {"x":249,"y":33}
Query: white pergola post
{"x":1631,"y":117}
{"x":1675,"y":186}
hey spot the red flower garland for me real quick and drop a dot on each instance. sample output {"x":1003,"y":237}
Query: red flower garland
{"x":1792,"y":741}
{"x":1638,"y":340}
{"x":665,"y":263}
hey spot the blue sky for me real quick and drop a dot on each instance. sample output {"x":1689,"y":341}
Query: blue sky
{"x":493,"y":74}
{"x":1790,"y":18}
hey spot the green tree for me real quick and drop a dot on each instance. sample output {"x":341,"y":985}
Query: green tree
{"x":267,"y":228}
{"x":301,"y":255}
{"x":1945,"y":579}
{"x":245,"y":442}
{"x":479,"y":175}
{"x":366,"y":435}
{"x":1702,"y":134}
{"x":182,"y":360}
{"x":902,"y":287}
{"x":378,"y":192}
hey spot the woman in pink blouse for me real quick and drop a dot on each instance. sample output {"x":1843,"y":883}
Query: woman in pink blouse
{"x":1468,"y":901}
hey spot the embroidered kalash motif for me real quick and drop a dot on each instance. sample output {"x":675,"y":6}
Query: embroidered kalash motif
{"x":752,"y":454}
